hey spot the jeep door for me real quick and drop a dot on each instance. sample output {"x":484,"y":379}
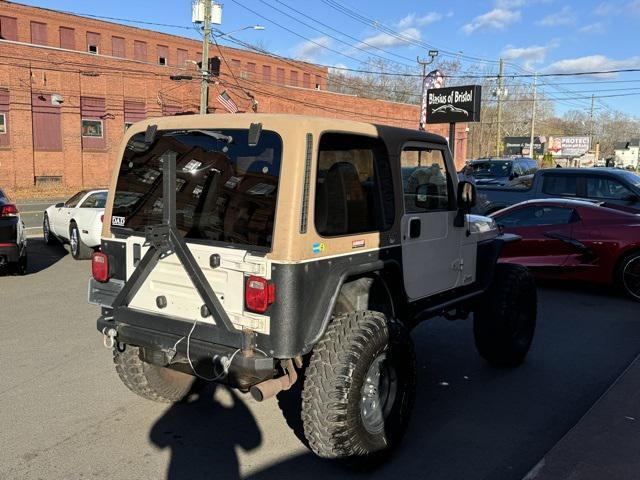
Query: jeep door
{"x":431,"y":245}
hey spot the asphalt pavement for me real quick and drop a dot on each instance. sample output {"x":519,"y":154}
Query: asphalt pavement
{"x":65,"y":414}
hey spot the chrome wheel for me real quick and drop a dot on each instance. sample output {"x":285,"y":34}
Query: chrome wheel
{"x":378,"y":394}
{"x":631,"y":277}
{"x":73,"y":241}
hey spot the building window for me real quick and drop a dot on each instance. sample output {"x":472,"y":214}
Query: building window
{"x":354,"y":190}
{"x":4,"y":117}
{"x":140,"y":51}
{"x":67,"y":38}
{"x":93,"y":42}
{"x":92,"y":112}
{"x":293,"y":78}
{"x":306,"y":80}
{"x":92,"y":128}
{"x":8,"y":28}
{"x":266,"y":74}
{"x":170,"y":110}
{"x":133,"y":112}
{"x":163,"y":55}
{"x":45,"y":117}
{"x":251,"y":70}
{"x":181,"y":57}
{"x":280,"y":76}
{"x":318,"y":82}
{"x":118,"y":48}
{"x":38,"y":33}
{"x":236,"y":66}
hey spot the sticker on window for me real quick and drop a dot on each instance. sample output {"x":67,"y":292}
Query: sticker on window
{"x":117,"y":221}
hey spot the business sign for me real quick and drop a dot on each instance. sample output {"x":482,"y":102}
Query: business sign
{"x":521,"y":145}
{"x":568,"y":146}
{"x":454,"y":104}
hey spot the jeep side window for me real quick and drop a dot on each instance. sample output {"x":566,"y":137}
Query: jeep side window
{"x":560,"y":185}
{"x":424,"y":174}
{"x":354,"y":190}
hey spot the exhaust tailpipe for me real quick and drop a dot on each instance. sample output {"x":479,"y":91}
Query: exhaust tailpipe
{"x":270,"y":388}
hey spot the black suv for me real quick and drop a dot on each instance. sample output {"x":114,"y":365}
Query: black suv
{"x":500,"y":171}
{"x":13,"y":242}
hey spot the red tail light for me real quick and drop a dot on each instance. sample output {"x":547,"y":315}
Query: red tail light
{"x":259,"y":294}
{"x":8,"y":210}
{"x":100,"y":267}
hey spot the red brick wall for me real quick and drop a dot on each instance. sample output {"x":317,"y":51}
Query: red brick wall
{"x":27,"y":69}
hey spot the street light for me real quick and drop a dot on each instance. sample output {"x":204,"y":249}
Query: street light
{"x":219,"y":33}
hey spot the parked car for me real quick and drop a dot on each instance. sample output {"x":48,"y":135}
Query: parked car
{"x":199,"y":277}
{"x":500,"y":171}
{"x":13,"y":240}
{"x":575,"y":240}
{"x":78,"y":222}
{"x":614,"y":186}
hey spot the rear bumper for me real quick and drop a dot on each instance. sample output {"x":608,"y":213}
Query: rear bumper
{"x":9,"y":252}
{"x":166,"y":342}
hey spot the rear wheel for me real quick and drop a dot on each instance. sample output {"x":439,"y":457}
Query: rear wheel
{"x":629,"y":275}
{"x":359,"y":387}
{"x":152,"y":382}
{"x":79,"y":250}
{"x":503,"y":326}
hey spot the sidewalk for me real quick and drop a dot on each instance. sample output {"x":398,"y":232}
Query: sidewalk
{"x":605,"y":443}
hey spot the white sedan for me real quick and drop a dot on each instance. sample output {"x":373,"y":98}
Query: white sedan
{"x":78,"y":222}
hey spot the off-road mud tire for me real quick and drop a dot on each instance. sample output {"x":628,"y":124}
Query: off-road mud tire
{"x":151,"y":381}
{"x":505,"y":322}
{"x":331,"y":415}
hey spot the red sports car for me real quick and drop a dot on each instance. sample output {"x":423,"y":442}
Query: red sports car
{"x":575,"y":240}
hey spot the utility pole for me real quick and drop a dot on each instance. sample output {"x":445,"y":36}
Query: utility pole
{"x":204,"y":72}
{"x":499,"y":93}
{"x":533,"y":113}
{"x":593,"y":97}
{"x":423,"y":110}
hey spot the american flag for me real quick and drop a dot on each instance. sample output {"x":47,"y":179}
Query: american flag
{"x":228,"y":102}
{"x":434,"y":79}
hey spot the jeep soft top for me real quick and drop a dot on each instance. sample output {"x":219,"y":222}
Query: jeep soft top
{"x":250,"y":249}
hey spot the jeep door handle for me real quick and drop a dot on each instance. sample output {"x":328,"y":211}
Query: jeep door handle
{"x":415,"y":227}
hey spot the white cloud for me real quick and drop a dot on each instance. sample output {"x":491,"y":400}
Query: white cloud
{"x":310,"y":49}
{"x":413,"y":20}
{"x":617,"y":8}
{"x":384,"y":40}
{"x":498,"y":19}
{"x":563,"y":17}
{"x":605,"y":8}
{"x":593,"y":63}
{"x":597,"y":27}
{"x":529,"y":56}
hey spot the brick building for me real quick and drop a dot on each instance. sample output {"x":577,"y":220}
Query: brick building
{"x":70,"y":85}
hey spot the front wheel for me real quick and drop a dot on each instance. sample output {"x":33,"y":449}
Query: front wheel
{"x":628,"y":275}
{"x":505,"y":322}
{"x":79,"y":250}
{"x":49,"y":238}
{"x":359,"y":387}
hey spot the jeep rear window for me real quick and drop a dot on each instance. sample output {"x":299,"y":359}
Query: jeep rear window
{"x":225,"y":189}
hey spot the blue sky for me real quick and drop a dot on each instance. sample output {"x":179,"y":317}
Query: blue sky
{"x":541,"y":35}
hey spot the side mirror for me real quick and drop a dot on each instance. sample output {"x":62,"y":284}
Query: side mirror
{"x":467,"y":195}
{"x":59,"y":205}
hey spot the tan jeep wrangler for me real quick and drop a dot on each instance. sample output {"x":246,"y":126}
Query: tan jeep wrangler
{"x":261,"y":250}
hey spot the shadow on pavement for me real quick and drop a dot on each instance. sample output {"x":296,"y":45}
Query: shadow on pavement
{"x":203,"y":433}
{"x":42,"y":256}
